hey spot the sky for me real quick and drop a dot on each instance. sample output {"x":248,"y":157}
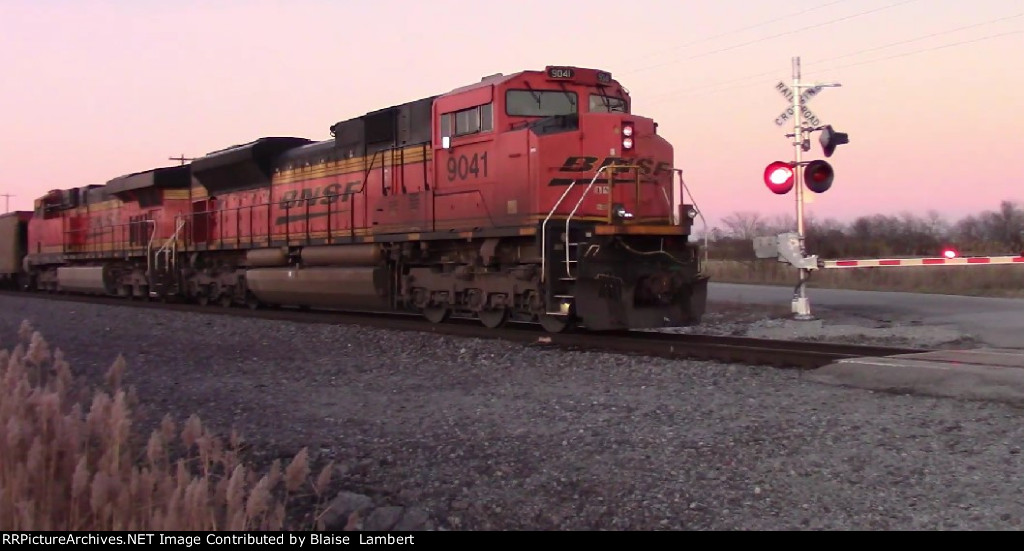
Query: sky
{"x":930,"y":97}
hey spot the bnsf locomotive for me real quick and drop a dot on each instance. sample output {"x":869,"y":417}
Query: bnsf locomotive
{"x":537,"y":196}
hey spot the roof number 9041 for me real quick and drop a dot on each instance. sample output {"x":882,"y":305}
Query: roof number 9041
{"x":560,"y":72}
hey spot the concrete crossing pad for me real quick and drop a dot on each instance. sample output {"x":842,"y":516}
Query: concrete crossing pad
{"x":980,"y":374}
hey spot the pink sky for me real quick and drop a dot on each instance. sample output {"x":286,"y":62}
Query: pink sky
{"x":95,"y":89}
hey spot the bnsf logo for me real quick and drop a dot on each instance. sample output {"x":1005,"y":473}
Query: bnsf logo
{"x":588,"y":165}
{"x":327,"y":195}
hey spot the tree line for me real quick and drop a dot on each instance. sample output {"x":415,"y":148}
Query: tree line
{"x":992,"y":232}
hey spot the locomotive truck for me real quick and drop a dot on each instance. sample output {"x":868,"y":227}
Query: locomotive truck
{"x":537,"y":196}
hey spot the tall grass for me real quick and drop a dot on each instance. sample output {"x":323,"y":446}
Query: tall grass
{"x":70,"y":460}
{"x":996,"y":281}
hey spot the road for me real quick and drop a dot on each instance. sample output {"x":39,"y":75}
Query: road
{"x":997,"y":322}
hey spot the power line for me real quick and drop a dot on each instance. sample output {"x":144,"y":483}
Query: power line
{"x":905,"y":54}
{"x":734,"y":31}
{"x":983,"y":38}
{"x":932,"y":35}
{"x":717,"y":88}
{"x":808,"y":27}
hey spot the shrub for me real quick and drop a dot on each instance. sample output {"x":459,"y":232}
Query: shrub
{"x":69,"y":459}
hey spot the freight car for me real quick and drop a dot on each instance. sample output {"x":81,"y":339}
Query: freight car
{"x":13,"y":247}
{"x":537,"y":196}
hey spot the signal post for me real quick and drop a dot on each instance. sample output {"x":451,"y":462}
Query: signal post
{"x":817,"y":175}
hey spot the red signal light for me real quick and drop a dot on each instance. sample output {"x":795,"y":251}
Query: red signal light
{"x":778,"y":176}
{"x":949,"y":253}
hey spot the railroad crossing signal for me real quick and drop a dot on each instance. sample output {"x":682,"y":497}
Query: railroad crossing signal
{"x":818,"y":175}
{"x":829,"y":139}
{"x":804,"y":98}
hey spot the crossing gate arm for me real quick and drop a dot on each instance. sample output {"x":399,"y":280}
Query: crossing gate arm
{"x":887,"y":262}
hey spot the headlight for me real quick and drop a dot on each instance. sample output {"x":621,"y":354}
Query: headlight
{"x":620,"y":211}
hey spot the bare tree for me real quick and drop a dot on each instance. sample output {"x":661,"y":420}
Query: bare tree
{"x":744,"y":225}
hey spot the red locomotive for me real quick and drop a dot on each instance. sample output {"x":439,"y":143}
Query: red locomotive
{"x":537,"y":196}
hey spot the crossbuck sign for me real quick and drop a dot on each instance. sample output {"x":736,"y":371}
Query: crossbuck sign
{"x":787,"y":93}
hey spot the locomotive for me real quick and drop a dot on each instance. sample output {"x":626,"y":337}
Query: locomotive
{"x":537,"y":196}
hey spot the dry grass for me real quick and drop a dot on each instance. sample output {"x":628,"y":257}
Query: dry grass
{"x":69,"y":459}
{"x":993,"y":281}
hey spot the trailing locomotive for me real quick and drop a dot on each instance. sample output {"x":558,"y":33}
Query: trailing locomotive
{"x":537,"y":196}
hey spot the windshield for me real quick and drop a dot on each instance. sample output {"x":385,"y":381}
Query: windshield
{"x":540,"y":103}
{"x":607,"y":104}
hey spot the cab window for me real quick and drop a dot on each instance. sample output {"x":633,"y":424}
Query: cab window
{"x":607,"y":104}
{"x":540,"y":103}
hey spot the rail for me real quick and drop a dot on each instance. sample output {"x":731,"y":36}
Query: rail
{"x":114,"y":238}
{"x":753,"y":351}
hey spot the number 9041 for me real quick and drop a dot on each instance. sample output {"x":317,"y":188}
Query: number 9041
{"x":463,"y":167}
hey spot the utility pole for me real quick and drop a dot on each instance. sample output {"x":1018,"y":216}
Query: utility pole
{"x":7,"y":201}
{"x":181,"y":158}
{"x":801,"y":304}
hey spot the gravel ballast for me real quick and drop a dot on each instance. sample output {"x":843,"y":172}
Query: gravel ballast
{"x":479,"y":434}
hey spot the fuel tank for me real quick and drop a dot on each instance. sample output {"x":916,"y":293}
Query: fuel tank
{"x":357,"y":288}
{"x":86,"y":279}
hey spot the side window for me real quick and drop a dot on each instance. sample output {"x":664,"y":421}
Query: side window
{"x":487,"y":117}
{"x":446,"y":124}
{"x":468,"y":121}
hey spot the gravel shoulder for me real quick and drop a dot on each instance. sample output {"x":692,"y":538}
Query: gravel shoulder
{"x":846,"y":325}
{"x":485,"y":435}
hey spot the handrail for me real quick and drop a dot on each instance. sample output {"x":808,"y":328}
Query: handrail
{"x":102,"y":231}
{"x":703,"y":221}
{"x":544,"y":225}
{"x":149,"y":248}
{"x":544,"y":229}
{"x":167,"y":251}
{"x":611,"y":188}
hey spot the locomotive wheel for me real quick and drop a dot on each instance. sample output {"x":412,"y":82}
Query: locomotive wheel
{"x":226,"y":300}
{"x":437,"y":314}
{"x":556,"y":324}
{"x":203,"y":299}
{"x":494,"y":318}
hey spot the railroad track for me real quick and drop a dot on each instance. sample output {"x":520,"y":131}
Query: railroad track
{"x":773,"y":352}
